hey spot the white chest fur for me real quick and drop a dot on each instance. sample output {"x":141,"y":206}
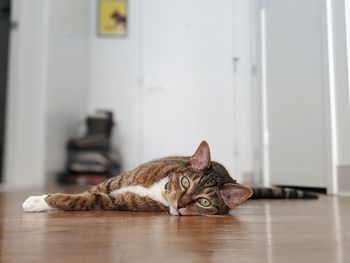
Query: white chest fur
{"x":154,"y":192}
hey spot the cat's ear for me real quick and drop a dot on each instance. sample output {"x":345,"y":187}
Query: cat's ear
{"x":235,"y":194}
{"x":201,"y":158}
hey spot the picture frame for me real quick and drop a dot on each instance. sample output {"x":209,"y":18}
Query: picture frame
{"x":112,"y":18}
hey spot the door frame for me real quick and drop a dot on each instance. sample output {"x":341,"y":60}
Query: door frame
{"x":255,"y":118}
{"x":5,"y":90}
{"x":329,"y":98}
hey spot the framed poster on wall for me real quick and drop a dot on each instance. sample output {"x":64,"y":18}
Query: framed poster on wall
{"x":112,"y":18}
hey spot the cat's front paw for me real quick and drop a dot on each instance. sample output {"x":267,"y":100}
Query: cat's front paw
{"x":36,"y":204}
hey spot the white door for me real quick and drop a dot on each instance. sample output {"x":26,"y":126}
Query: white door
{"x":296,"y":85}
{"x":188,"y":78}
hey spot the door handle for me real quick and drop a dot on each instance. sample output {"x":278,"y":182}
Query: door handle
{"x":152,"y":86}
{"x":235,"y":61}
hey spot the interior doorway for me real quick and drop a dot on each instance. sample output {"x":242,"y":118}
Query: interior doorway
{"x":199,"y":81}
{"x":5,"y":7}
{"x":187,"y":79}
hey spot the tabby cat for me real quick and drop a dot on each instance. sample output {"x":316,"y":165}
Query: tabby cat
{"x":179,"y":185}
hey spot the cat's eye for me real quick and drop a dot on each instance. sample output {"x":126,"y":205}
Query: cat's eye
{"x":185,"y":182}
{"x":204,"y":202}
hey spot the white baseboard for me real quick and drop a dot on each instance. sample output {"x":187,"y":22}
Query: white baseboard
{"x":343,"y":194}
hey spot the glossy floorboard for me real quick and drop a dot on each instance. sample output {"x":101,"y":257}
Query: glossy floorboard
{"x":258,"y":231}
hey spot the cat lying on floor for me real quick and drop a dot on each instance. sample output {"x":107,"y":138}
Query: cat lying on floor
{"x":180,"y":185}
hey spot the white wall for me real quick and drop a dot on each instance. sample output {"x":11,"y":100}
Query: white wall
{"x":46,"y":87}
{"x":66,"y":84}
{"x":113,"y":76}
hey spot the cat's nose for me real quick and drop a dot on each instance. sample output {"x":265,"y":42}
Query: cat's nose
{"x":180,"y":204}
{"x":184,"y":201}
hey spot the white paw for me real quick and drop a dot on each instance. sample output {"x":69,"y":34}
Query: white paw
{"x":36,"y":204}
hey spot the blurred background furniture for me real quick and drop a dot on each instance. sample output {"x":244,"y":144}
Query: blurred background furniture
{"x":92,"y":158}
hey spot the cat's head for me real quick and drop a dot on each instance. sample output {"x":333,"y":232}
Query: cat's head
{"x":204,"y":187}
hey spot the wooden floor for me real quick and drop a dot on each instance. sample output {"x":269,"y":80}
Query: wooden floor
{"x":258,"y":231}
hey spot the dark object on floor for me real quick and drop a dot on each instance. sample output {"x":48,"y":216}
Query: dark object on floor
{"x":98,"y":133}
{"x":281,"y":193}
{"x":92,"y":158}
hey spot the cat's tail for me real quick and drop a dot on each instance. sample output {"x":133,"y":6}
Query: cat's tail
{"x":68,"y":202}
{"x":281,"y":193}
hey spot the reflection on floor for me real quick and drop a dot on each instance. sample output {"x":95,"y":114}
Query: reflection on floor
{"x":258,"y":231}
